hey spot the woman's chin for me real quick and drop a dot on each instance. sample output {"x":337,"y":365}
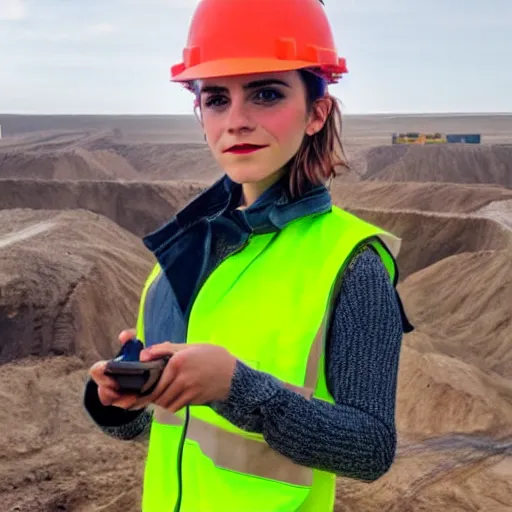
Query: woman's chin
{"x":247,"y":174}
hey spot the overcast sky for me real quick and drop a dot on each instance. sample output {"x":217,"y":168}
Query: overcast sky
{"x":113,"y":56}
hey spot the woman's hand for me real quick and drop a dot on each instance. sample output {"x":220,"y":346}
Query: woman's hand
{"x":107,"y":387}
{"x":195,"y":375}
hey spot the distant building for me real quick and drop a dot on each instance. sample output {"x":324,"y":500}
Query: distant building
{"x":464,"y":138}
{"x":435,"y":138}
{"x":418,"y":138}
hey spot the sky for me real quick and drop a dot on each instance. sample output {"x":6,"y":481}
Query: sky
{"x":113,"y":56}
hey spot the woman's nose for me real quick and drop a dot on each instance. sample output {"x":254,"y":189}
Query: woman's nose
{"x":239,"y":118}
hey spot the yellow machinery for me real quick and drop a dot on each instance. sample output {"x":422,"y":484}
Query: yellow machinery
{"x":419,"y":138}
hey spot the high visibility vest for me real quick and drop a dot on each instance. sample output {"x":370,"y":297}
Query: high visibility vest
{"x":268,"y":304}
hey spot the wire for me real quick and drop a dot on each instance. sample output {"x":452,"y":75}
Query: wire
{"x":177,"y":507}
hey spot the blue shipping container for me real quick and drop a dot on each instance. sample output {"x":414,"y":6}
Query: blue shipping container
{"x":463,"y":138}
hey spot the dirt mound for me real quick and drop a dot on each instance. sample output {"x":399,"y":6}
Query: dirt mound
{"x":52,"y":459}
{"x":138,"y":207}
{"x":430,"y":237}
{"x":141,"y":207}
{"x":75,"y":164}
{"x":69,"y":282}
{"x":470,"y":400}
{"x":446,"y":163}
{"x":132,"y":128}
{"x":499,"y":211}
{"x":53,"y":140}
{"x":107,"y":154}
{"x":445,"y":304}
{"x":455,"y":473}
{"x":455,"y":434}
{"x":186,"y":161}
{"x":433,"y":197}
{"x":101,"y":156}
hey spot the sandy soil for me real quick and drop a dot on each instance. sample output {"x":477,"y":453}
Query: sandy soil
{"x":77,"y":195}
{"x":454,"y":163}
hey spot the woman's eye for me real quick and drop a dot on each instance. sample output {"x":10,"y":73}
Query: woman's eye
{"x":215,"y":101}
{"x":269,"y":95}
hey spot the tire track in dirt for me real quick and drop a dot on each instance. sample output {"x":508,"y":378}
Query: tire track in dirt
{"x":23,"y":234}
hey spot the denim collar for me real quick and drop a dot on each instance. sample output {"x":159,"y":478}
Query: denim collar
{"x":271,"y":212}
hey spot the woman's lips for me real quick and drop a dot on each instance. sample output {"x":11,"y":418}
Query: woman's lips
{"x":244,"y":148}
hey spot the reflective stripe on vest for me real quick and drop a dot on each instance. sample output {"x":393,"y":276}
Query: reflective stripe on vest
{"x":231,"y":451}
{"x":269,"y":305}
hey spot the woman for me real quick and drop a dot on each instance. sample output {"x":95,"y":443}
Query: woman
{"x":279,"y":310}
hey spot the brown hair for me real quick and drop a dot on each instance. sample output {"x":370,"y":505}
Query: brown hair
{"x":319,"y":155}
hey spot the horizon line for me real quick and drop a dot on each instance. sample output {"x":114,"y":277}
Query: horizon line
{"x":192,"y":115}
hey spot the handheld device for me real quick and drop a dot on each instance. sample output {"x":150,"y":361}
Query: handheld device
{"x":132,"y":375}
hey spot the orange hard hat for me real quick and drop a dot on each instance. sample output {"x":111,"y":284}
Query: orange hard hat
{"x":237,"y":37}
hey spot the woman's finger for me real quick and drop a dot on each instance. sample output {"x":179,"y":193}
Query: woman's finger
{"x":97,"y":373}
{"x":127,"y":335}
{"x":126,"y":401}
{"x":162,"y":350}
{"x":140,"y":402}
{"x":181,"y":401}
{"x":97,"y":370}
{"x":163,"y":383}
{"x":107,"y":396}
{"x":171,"y":394}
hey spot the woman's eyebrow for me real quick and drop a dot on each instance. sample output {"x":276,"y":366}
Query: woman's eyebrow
{"x":217,"y":89}
{"x":264,"y":83}
{"x":212,"y":89}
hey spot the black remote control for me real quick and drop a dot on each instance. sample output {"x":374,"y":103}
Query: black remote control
{"x":134,"y":376}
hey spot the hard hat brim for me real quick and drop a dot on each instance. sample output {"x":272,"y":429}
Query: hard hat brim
{"x":235,"y":67}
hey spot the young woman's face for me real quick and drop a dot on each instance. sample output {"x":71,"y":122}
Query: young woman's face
{"x":266,"y":113}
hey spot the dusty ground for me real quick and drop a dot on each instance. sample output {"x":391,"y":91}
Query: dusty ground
{"x":76,"y":195}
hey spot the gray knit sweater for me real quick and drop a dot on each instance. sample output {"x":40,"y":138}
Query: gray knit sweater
{"x":356,"y":437}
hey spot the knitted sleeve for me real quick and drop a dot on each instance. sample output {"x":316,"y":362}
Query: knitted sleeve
{"x":356,"y":436}
{"x":114,"y":421}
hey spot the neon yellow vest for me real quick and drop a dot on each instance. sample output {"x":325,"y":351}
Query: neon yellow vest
{"x":268,"y":304}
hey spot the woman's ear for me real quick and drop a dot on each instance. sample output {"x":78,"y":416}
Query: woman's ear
{"x":319,"y":114}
